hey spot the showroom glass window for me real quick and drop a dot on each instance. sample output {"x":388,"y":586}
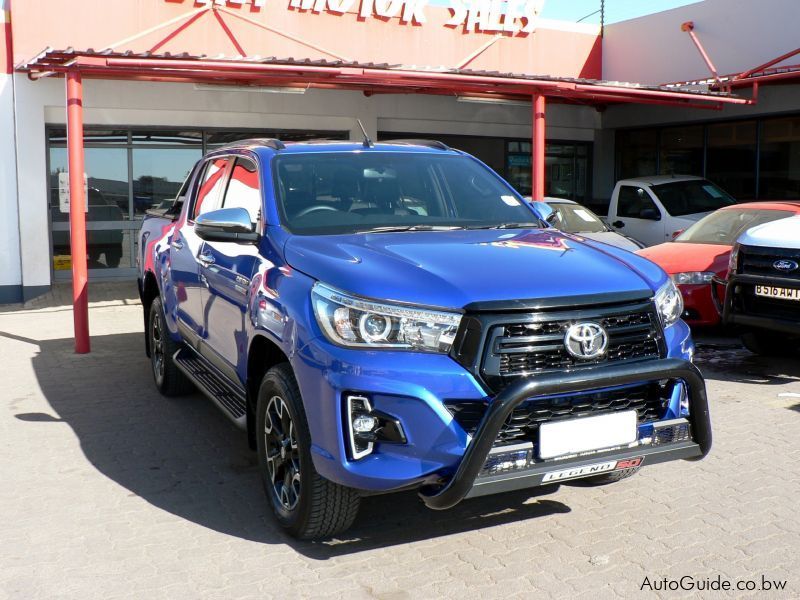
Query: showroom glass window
{"x":731,"y":157}
{"x":779,"y":175}
{"x":681,"y":151}
{"x":130,"y":170}
{"x":637,"y":153}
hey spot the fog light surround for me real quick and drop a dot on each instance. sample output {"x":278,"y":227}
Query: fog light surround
{"x":364,"y":426}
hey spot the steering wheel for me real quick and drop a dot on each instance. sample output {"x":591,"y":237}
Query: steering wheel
{"x":315,"y":208}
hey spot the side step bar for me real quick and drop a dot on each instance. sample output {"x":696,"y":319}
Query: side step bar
{"x":224,"y":393}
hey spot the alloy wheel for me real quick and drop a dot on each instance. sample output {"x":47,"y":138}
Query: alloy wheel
{"x":283,"y":456}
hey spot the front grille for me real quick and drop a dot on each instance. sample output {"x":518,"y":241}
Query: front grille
{"x":754,"y":260}
{"x":649,"y":400}
{"x":747,"y":302}
{"x":534,"y":343}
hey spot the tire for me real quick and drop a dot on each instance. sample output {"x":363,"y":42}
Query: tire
{"x":769,"y":344}
{"x":305,"y":504}
{"x":169,"y":380}
{"x":612,"y":477}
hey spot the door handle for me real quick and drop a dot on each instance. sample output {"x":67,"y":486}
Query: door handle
{"x":204,"y":280}
{"x":618,"y":224}
{"x":205,"y":259}
{"x":177,"y":244}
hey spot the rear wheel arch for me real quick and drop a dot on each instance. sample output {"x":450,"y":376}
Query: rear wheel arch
{"x":261,"y":357}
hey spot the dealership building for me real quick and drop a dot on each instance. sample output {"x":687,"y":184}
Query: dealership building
{"x":710,"y":89}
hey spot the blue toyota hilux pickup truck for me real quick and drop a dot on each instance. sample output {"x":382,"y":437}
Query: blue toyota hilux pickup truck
{"x":394,"y":316}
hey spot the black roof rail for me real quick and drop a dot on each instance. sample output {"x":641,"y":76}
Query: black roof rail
{"x":412,"y":142}
{"x":273,"y":143}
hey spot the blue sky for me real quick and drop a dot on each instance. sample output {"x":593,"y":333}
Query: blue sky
{"x":616,"y":10}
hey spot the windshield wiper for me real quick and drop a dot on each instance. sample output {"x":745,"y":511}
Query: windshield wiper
{"x":400,"y":228}
{"x":526,"y":225}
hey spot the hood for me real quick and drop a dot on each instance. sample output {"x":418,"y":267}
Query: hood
{"x":684,"y":257}
{"x":777,"y":234}
{"x":613,"y":238}
{"x":456,"y":268}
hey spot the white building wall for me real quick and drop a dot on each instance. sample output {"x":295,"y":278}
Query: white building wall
{"x":737,"y":34}
{"x":176,"y":105}
{"x":10,"y":268}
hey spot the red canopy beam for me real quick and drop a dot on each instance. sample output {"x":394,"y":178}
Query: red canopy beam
{"x":768,"y":64}
{"x":688,"y":27}
{"x":77,"y":216}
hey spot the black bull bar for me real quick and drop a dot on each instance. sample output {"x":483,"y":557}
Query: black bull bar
{"x":458,"y":486}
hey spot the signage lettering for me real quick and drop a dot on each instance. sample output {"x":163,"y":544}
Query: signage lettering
{"x":489,"y":16}
{"x":255,"y":3}
{"x":485,"y":16}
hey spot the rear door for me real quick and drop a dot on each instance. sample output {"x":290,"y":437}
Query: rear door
{"x":638,"y":215}
{"x":185,"y":246}
{"x":226,"y":269}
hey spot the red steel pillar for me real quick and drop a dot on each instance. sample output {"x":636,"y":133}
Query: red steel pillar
{"x":77,"y":216}
{"x":537,"y":188}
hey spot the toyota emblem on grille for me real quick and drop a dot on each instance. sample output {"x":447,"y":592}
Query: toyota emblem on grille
{"x":785,"y":266}
{"x":586,"y":340}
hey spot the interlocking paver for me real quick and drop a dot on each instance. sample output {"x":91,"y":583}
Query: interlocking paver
{"x":111,"y":491}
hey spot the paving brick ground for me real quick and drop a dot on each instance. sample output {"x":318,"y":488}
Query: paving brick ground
{"x":108,"y":490}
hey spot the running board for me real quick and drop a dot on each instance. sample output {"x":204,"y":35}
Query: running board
{"x":225,"y":394}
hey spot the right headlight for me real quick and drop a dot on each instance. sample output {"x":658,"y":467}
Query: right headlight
{"x":669,"y":303}
{"x":357,"y":322}
{"x":734,"y":259}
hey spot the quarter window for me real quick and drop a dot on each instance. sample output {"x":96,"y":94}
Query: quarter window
{"x":209,"y":190}
{"x":243,"y":190}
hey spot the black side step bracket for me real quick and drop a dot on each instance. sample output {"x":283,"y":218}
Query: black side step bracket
{"x":223,"y":392}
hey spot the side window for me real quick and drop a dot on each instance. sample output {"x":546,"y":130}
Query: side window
{"x":243,"y":190}
{"x":208,"y":192}
{"x":632,"y":201}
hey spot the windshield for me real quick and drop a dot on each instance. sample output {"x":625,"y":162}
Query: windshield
{"x":349,"y":192}
{"x":690,"y":197}
{"x":574,"y":218}
{"x":724,"y":226}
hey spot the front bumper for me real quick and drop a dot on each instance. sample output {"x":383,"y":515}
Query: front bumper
{"x":465,"y":482}
{"x":734,"y":312}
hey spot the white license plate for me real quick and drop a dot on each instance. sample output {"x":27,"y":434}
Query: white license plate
{"x":778,"y":292}
{"x":584,"y":434}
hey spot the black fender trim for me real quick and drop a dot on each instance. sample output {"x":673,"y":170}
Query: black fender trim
{"x":460,"y":484}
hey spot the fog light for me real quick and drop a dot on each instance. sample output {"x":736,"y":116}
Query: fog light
{"x":360,"y":425}
{"x":364,"y":423}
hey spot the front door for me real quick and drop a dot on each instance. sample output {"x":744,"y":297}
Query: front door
{"x":639,"y":216}
{"x":226,"y":269}
{"x":186,"y":246}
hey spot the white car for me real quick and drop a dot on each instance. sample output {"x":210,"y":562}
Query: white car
{"x":571,"y":217}
{"x":657,"y":209}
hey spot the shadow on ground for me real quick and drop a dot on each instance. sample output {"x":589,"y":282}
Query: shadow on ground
{"x":183,"y":456}
{"x":727,"y":360}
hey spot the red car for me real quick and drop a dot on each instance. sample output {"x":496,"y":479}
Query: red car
{"x":703,"y":250}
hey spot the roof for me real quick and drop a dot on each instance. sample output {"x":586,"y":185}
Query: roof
{"x":657,"y":179}
{"x":765,"y":205}
{"x":322,"y":146}
{"x":369,"y":77}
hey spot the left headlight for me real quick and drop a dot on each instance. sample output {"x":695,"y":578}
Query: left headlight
{"x":692,"y":277}
{"x":363,"y":323}
{"x":669,"y":303}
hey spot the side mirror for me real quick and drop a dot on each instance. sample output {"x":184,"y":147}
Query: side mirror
{"x":651,"y":214}
{"x":544,"y":211}
{"x":226,"y":225}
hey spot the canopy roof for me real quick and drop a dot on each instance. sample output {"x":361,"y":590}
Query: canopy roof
{"x":370,"y":78}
